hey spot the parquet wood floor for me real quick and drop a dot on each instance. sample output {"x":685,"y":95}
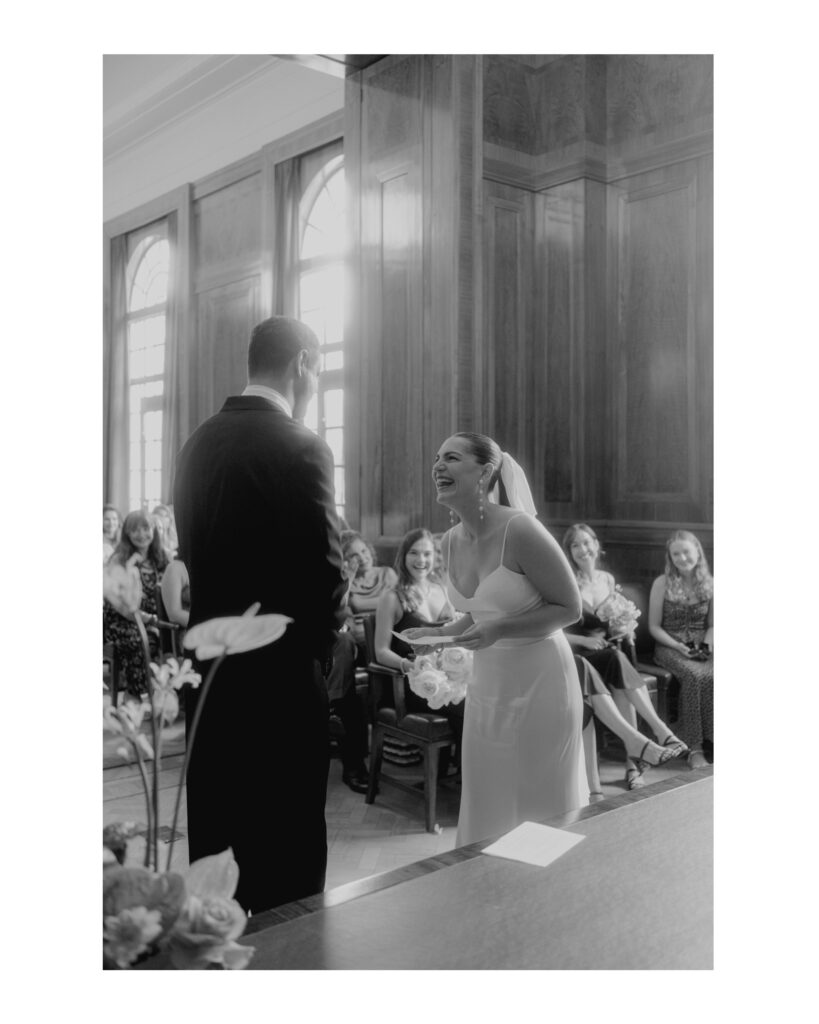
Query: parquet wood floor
{"x":362,"y":840}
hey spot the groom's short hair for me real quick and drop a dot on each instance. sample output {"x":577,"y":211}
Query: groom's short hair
{"x":273,"y":344}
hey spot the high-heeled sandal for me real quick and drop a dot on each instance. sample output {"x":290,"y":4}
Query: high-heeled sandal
{"x":680,"y":749}
{"x":643,"y":763}
{"x":634,"y":778}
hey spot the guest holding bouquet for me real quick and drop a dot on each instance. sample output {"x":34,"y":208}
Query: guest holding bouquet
{"x":608,"y":623}
{"x":415,"y":601}
{"x":140,"y":545}
{"x":681,"y":620}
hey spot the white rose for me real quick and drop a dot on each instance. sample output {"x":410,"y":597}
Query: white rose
{"x":431,"y":684}
{"x":457,"y":663}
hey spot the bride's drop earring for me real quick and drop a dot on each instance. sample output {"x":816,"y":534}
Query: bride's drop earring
{"x":480,"y":500}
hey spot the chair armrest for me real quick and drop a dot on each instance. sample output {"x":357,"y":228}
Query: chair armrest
{"x":377,"y":675}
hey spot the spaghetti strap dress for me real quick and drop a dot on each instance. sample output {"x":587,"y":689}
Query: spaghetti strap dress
{"x":522,"y":754}
{"x":688,"y":624}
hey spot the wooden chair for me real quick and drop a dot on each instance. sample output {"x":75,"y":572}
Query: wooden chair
{"x":429,"y":731}
{"x":170,"y":644}
{"x":109,"y":658}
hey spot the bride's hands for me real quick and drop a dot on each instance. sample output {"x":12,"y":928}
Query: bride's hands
{"x":478,"y":636}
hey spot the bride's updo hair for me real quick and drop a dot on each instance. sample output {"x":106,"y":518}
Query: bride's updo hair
{"x":486,"y":452}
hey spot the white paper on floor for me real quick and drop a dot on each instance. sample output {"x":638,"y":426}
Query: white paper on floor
{"x":533,"y":844}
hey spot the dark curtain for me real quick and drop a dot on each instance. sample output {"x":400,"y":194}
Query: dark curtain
{"x":172,"y":438}
{"x":287,"y":184}
{"x":115,"y":386}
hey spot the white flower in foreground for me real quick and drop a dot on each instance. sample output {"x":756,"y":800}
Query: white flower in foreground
{"x":235,"y":634}
{"x":211,"y":920}
{"x":122,"y":586}
{"x":172,"y":674}
{"x":129,"y":933}
{"x":125,"y":720}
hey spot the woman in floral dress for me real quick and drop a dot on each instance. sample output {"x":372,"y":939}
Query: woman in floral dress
{"x":588,"y":638}
{"x":139,"y":540}
{"x":681,"y":620}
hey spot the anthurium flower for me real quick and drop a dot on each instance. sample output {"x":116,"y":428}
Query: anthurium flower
{"x":129,"y":933}
{"x":215,"y":875}
{"x":122,"y":586}
{"x":235,"y":634}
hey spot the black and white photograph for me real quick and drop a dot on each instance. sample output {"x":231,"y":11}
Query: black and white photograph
{"x":424,"y":413}
{"x":430,"y":377}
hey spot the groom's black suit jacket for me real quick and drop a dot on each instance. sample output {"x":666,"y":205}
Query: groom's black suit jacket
{"x":256,"y":519}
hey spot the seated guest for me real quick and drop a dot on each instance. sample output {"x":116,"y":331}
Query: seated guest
{"x":588,"y":638}
{"x":167,"y":530}
{"x":417,"y":600}
{"x":140,"y":538}
{"x":598,"y":703}
{"x":368,"y":581}
{"x":681,"y":620}
{"x":176,"y":593}
{"x":110,"y":531}
{"x":347,"y":706}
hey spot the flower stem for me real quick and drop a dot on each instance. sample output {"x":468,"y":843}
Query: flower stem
{"x":146,"y":654}
{"x":149,"y":810}
{"x":188,"y":747}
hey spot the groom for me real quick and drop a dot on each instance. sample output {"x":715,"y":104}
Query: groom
{"x":256,"y":518}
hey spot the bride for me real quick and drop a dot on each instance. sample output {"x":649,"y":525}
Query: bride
{"x":522,"y":754}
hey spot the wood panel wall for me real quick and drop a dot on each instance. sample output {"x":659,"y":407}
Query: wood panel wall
{"x":409,"y":141}
{"x":531,"y":255}
{"x":226,"y":284}
{"x":586,"y":341}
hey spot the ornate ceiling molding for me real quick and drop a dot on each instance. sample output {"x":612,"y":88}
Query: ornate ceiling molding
{"x":174,"y":93}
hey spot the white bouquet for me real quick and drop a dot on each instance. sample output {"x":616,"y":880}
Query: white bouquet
{"x":441,"y":677}
{"x":619,"y":614}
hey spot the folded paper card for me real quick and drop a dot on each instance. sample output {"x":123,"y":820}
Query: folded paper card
{"x":425,"y":641}
{"x":533,"y":844}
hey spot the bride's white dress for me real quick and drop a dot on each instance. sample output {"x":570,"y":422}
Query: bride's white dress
{"x":522,"y":752}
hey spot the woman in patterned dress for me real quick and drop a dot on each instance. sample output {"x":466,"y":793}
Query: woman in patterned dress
{"x":681,"y":620}
{"x":139,"y":538}
{"x":588,"y":637}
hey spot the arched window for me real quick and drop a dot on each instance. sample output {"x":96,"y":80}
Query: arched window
{"x":321,"y":303}
{"x":147,"y":275}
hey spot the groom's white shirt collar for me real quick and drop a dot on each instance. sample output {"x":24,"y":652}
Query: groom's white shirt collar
{"x":272,"y":396}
